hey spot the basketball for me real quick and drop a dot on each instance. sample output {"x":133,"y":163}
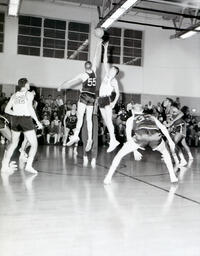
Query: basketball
{"x":99,"y":32}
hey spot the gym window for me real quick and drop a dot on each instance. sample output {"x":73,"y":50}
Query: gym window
{"x":78,"y":41}
{"x":53,"y":38}
{"x":29,"y":35}
{"x":125,"y":46}
{"x":132,"y":48}
{"x":2,"y":18}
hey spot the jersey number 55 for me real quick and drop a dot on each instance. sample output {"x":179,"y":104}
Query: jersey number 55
{"x":92,"y":81}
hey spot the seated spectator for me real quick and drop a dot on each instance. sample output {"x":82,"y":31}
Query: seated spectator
{"x":57,"y":127}
{"x":46,"y":125}
{"x":53,"y":132}
{"x":47,"y":109}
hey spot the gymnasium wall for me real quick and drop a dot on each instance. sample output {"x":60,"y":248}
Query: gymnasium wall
{"x":171,"y":67}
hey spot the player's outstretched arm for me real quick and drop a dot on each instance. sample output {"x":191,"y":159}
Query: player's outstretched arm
{"x":69,"y":83}
{"x":165,"y":132}
{"x":97,"y":56}
{"x":105,"y":57}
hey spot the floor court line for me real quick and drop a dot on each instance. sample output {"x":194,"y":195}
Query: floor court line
{"x":158,"y":187}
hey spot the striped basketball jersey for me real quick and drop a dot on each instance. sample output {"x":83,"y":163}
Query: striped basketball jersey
{"x":144,"y":121}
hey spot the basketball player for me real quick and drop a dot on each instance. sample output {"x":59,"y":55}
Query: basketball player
{"x":94,"y":150}
{"x":87,"y":97}
{"x":148,"y":132}
{"x":69,"y":121}
{"x":177,"y":128}
{"x":21,"y":109}
{"x":108,"y":85}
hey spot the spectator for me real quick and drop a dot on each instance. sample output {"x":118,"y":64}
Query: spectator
{"x":53,"y":132}
{"x":46,"y":125}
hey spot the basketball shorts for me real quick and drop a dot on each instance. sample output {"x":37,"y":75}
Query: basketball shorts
{"x":87,"y":98}
{"x":145,"y":137}
{"x":70,"y":126}
{"x":104,"y":101}
{"x":22,"y":123}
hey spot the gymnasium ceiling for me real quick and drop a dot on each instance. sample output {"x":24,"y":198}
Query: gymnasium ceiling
{"x":180,"y":12}
{"x":172,"y":9}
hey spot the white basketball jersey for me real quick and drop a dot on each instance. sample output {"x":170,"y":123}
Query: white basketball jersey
{"x":20,"y":104}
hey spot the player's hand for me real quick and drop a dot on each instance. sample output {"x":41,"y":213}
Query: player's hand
{"x":59,"y":89}
{"x":137,"y":155}
{"x":105,"y":44}
{"x":39,"y":126}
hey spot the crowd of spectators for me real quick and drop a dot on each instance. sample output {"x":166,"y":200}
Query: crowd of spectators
{"x":51,"y":111}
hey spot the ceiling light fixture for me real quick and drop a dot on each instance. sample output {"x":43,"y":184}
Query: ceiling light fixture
{"x":188,"y":32}
{"x":116,"y":13}
{"x":13,"y":7}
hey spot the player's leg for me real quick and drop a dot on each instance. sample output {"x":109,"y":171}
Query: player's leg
{"x":32,"y":139}
{"x":23,"y":155}
{"x":6,"y":132}
{"x":80,"y":114}
{"x":186,"y":147}
{"x":89,"y":112}
{"x":177,"y":140}
{"x":10,"y":150}
{"x":95,"y":141}
{"x":167,"y":159}
{"x":113,"y":142}
{"x":125,"y":150}
{"x":66,"y":134}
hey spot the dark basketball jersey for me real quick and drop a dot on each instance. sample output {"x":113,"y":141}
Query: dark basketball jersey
{"x":71,"y":119}
{"x":89,"y":85}
{"x":144,"y":121}
{"x":178,"y":122}
{"x":124,"y":116}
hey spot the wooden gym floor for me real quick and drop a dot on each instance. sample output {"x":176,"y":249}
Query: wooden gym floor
{"x":66,"y":210}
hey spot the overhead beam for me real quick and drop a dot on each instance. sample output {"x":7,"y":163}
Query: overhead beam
{"x":166,"y":12}
{"x":190,"y":31}
{"x":154,"y":25}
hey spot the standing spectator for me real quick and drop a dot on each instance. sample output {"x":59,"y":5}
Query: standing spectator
{"x":60,"y":105}
{"x":130,"y":106}
{"x":49,"y":100}
{"x":178,"y":102}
